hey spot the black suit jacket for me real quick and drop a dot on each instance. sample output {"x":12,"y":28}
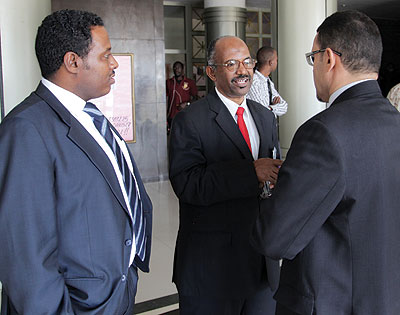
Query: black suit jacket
{"x":212,"y":173}
{"x":334,"y":216}
{"x":66,"y":230}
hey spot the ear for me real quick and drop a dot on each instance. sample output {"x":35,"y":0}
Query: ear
{"x":331,"y":58}
{"x":72,"y":62}
{"x":210,"y":70}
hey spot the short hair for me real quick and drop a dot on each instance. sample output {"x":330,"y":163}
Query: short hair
{"x":264,"y":54}
{"x":176,"y":63}
{"x":211,"y":50}
{"x":356,"y":37}
{"x":61,"y":32}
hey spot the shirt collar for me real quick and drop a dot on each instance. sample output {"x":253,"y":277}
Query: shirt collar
{"x":72,"y":102}
{"x":339,"y":91}
{"x":231,"y":105}
{"x":261,"y":76}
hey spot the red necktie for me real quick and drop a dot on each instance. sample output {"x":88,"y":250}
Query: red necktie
{"x":242,"y":126}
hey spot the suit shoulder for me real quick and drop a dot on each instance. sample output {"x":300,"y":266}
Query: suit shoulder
{"x":27,"y":107}
{"x":260,"y":108}
{"x":256,"y":104}
{"x":33,"y":109}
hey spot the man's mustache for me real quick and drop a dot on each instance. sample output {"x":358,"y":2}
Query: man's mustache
{"x":241,"y":76}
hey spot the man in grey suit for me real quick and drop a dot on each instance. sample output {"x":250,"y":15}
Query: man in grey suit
{"x":216,"y":172}
{"x":334,"y":215}
{"x":75,"y":222}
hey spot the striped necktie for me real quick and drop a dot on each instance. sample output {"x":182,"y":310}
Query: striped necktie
{"x":102,"y":125}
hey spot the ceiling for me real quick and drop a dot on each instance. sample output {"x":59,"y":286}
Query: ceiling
{"x":385,"y":9}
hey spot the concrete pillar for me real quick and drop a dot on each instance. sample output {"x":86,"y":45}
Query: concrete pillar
{"x":223,"y":17}
{"x":19,"y":20}
{"x":297,"y":22}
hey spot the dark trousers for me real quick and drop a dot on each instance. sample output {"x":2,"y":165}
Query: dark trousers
{"x":261,"y":303}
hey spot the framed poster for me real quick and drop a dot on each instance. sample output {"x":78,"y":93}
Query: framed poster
{"x":119,"y":104}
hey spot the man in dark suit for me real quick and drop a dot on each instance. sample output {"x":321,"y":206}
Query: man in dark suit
{"x":334,"y":215}
{"x":70,"y":241}
{"x":216,"y":173}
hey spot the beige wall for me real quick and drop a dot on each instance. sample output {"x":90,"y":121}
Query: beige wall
{"x":297,"y":22}
{"x":19,"y":20}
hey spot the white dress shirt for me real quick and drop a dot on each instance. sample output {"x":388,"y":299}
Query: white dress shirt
{"x":75,"y":105}
{"x":248,"y":120}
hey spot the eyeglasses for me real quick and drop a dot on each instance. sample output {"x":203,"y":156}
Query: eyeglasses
{"x":233,"y":64}
{"x":310,"y":55}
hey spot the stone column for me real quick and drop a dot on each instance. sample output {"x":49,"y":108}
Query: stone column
{"x":223,"y":17}
{"x":297,"y":22}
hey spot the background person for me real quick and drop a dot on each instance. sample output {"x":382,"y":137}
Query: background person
{"x":263,"y":89}
{"x":180,"y":92}
{"x":394,"y":96}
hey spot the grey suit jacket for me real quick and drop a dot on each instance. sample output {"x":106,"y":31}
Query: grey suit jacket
{"x":66,"y":231}
{"x":212,"y":173}
{"x":334,"y":216}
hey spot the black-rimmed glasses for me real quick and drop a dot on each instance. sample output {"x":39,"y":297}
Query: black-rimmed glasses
{"x":310,"y":55}
{"x":233,"y":64}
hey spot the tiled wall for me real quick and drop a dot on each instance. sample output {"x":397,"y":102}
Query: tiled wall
{"x":137,"y":26}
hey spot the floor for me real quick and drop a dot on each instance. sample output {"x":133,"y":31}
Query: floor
{"x":155,"y":289}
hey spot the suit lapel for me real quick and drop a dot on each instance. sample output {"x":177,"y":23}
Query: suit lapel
{"x":227,"y":123}
{"x":79,"y":135}
{"x":259,"y":120}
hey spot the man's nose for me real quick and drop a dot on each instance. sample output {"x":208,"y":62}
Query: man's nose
{"x":241,"y":68}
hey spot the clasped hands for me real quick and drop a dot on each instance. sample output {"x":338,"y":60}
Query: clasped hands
{"x":267,"y":170}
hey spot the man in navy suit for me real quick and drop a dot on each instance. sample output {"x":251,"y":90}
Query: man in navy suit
{"x":216,"y":170}
{"x":67,"y":241}
{"x":334,"y":215}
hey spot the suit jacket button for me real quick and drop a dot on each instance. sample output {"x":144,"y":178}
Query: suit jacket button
{"x":123,"y":279}
{"x":128,"y":242}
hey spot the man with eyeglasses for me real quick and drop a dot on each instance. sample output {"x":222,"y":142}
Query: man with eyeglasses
{"x":220,"y":157}
{"x":334,"y":214}
{"x":263,"y":89}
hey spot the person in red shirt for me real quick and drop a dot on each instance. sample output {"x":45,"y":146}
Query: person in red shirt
{"x":180,"y":92}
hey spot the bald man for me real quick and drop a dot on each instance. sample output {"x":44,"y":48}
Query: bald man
{"x":220,"y":155}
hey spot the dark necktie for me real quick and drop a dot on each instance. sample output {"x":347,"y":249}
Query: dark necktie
{"x":102,"y":125}
{"x":269,"y":91}
{"x":242,"y":126}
